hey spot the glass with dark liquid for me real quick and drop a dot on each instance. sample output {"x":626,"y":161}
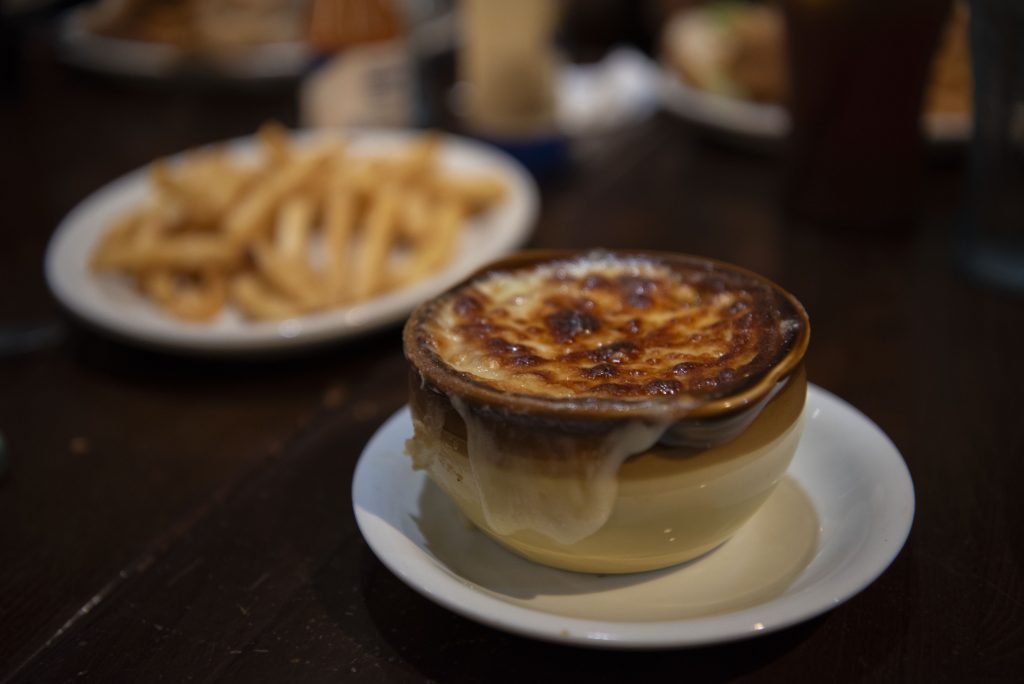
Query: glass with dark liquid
{"x":858,"y":71}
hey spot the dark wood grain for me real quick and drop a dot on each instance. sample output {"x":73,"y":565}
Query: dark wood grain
{"x":171,"y":519}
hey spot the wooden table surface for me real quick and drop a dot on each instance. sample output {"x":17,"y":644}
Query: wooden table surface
{"x":173,"y":519}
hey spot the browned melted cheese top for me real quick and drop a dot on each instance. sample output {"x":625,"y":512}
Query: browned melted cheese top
{"x":624,"y":328}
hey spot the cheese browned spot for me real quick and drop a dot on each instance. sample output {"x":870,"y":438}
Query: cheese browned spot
{"x":623,"y":328}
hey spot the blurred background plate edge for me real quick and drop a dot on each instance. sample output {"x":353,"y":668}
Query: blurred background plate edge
{"x":768,"y":124}
{"x":82,"y":48}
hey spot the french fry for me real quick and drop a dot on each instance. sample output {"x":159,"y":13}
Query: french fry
{"x":440,"y":246}
{"x":291,"y":276}
{"x":219,"y":182}
{"x":200,"y":208}
{"x":339,"y":224}
{"x":187,"y":252}
{"x":250,"y":216}
{"x":294,"y":223}
{"x":158,"y":284}
{"x":415,"y":215}
{"x":257,"y":301}
{"x":333,"y":151}
{"x":153,"y":224}
{"x":476,"y":193}
{"x":416,"y":161}
{"x":276,"y":145}
{"x":198,"y":297}
{"x":119,"y":233}
{"x":365,"y":176}
{"x":378,"y":236}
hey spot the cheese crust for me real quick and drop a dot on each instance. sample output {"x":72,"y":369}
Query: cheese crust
{"x":621,"y":328}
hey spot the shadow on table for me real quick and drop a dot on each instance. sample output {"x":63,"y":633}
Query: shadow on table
{"x":100,"y":352}
{"x":443,"y":646}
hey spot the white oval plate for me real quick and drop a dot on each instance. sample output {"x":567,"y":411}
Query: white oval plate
{"x":110,"y":302}
{"x":81,"y":47}
{"x":834,"y":525}
{"x":765,"y":122}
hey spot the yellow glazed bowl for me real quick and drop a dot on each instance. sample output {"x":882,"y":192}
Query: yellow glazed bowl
{"x":670,"y":502}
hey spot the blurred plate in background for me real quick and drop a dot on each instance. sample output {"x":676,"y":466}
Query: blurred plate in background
{"x":113,"y":304}
{"x":84,"y":48}
{"x":763,"y":122}
{"x":724,"y":66}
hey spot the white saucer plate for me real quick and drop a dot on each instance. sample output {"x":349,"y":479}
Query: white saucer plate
{"x":832,"y":527}
{"x":112,"y":304}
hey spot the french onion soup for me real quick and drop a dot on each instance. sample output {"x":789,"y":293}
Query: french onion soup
{"x":607,"y":411}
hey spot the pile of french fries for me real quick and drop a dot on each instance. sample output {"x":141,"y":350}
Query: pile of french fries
{"x":304,"y":228}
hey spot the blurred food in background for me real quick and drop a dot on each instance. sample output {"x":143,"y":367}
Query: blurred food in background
{"x":303,"y":227}
{"x":227,"y":40}
{"x":737,"y":49}
{"x":949,"y":89}
{"x":731,"y":48}
{"x":365,"y":71}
